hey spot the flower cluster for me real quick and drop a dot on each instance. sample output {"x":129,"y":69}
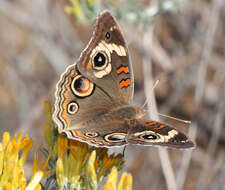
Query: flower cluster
{"x":13,"y":155}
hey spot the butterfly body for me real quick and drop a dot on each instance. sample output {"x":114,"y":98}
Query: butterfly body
{"x":94,"y":97}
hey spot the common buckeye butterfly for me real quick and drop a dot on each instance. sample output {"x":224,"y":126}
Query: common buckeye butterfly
{"x":94,"y":97}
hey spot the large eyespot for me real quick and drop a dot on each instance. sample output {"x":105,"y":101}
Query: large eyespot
{"x":107,"y":35}
{"x":81,"y":86}
{"x":91,"y":134}
{"x":115,"y":137}
{"x":100,"y":60}
{"x":72,"y":108}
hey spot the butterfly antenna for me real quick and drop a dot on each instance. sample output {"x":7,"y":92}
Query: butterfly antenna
{"x":147,"y":99}
{"x":124,"y":149}
{"x":177,"y":119}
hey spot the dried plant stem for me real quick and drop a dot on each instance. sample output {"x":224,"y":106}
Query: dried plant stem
{"x":212,"y":26}
{"x":185,"y":160}
{"x":217,"y":126}
{"x":199,"y":91}
{"x":163,"y":154}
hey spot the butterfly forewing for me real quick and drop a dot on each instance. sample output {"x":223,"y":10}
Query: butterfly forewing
{"x":78,"y":100}
{"x":106,"y":62}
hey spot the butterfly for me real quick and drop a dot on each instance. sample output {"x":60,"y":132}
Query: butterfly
{"x":93,"y":98}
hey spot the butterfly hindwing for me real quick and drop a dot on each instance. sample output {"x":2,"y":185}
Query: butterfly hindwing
{"x":147,"y":132}
{"x":100,"y":133}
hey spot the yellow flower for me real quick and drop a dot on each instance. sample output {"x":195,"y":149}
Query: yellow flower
{"x":69,"y":165}
{"x":13,"y":155}
{"x":108,"y":161}
{"x":61,"y":180}
{"x":34,"y":183}
{"x":125,"y":182}
{"x":91,"y":170}
{"x":111,"y":181}
{"x":81,"y":167}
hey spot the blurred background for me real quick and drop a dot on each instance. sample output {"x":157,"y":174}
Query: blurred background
{"x":179,"y":42}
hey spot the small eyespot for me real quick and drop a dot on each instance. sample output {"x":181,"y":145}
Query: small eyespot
{"x":91,"y":134}
{"x":107,"y":35}
{"x":81,"y":86}
{"x":149,"y":137}
{"x":100,"y":61}
{"x":72,"y":108}
{"x":115,"y":137}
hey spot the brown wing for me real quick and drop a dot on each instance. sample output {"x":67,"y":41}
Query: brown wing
{"x":78,"y":99}
{"x":106,"y":62}
{"x":100,"y":133}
